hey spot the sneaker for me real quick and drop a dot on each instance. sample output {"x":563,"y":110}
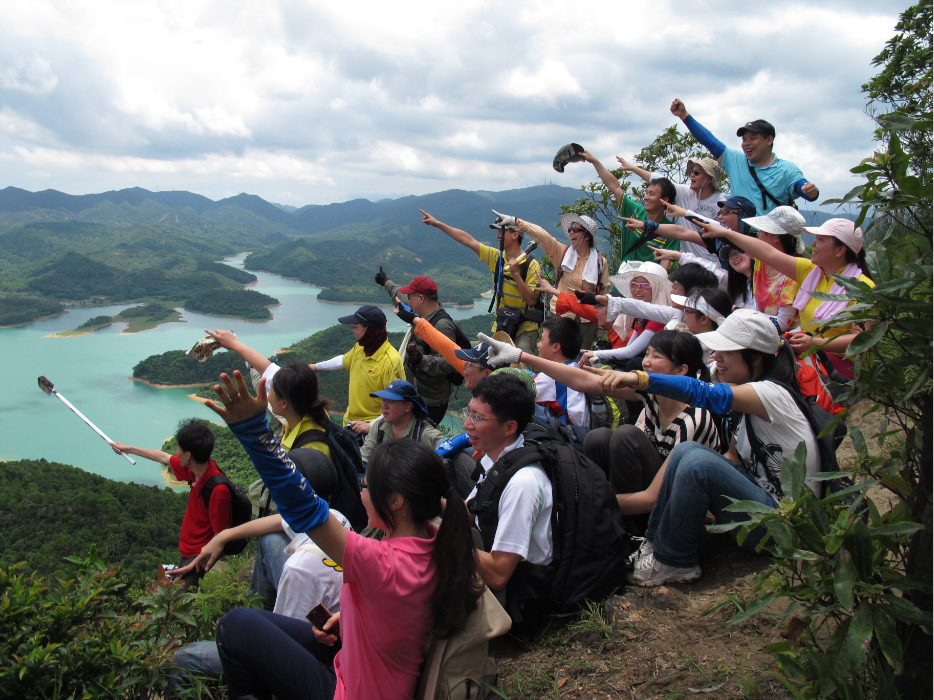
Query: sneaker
{"x":649,"y":573}
{"x":645,"y":549}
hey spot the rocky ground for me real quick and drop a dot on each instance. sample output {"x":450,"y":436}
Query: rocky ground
{"x":663,"y":642}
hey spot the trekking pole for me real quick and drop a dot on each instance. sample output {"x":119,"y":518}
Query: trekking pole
{"x":49,"y":389}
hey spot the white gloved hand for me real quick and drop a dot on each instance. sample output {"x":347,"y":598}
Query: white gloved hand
{"x":501,"y":354}
{"x":504,"y":220}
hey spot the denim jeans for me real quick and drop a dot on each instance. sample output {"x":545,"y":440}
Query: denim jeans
{"x":199,"y":659}
{"x":697,"y":479}
{"x":266,"y":654}
{"x":267,"y":568}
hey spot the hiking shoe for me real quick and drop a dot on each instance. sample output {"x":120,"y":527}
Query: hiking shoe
{"x":649,"y":573}
{"x":644,"y":550}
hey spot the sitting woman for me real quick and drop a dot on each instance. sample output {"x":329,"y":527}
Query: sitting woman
{"x":734,"y":274}
{"x":631,"y":455}
{"x":397,"y":591}
{"x":641,"y":281}
{"x":837,"y":250}
{"x":757,"y":371}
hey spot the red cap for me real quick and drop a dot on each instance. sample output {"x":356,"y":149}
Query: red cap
{"x":420,"y":285}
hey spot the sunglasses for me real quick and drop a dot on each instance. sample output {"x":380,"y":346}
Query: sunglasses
{"x":641,"y":285}
{"x":577,"y":229}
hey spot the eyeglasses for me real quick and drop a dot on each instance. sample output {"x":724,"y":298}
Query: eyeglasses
{"x":641,"y":285}
{"x":726,"y":210}
{"x":473,"y":417}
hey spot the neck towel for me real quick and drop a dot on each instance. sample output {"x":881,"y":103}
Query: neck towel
{"x":827,"y":309}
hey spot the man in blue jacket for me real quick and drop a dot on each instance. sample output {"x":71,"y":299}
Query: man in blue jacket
{"x":756,"y":173}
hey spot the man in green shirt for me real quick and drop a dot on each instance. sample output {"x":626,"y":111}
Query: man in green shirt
{"x":660,"y":190}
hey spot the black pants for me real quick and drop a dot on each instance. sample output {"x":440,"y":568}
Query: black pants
{"x":630,"y":462}
{"x":193,"y":577}
{"x":436,"y":413}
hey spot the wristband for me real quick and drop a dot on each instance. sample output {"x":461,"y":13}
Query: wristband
{"x":643,"y":382}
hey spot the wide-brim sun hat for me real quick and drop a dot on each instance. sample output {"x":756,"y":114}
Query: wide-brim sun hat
{"x":744,"y":329}
{"x":653,"y":272}
{"x":843,"y":230}
{"x":570,"y":218}
{"x":709,"y":166}
{"x":781,"y":221}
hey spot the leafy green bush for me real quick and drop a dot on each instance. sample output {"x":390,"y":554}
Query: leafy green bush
{"x":242,"y":303}
{"x":88,"y":636}
{"x":15,"y":309}
{"x":175,"y":367}
{"x":96,"y":321}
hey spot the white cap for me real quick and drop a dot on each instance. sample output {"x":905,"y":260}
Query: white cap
{"x":781,"y":221}
{"x":744,"y":329}
{"x":843,"y":230}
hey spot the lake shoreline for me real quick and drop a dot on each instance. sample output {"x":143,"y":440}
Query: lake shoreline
{"x":170,"y":386}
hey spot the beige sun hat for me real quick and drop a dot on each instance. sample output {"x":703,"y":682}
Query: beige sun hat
{"x":638,"y":268}
{"x":709,"y":166}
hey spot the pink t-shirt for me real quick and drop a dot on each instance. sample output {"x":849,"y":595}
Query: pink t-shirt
{"x":385,"y":616}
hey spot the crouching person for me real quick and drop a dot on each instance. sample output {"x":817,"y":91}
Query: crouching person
{"x":525,"y":481}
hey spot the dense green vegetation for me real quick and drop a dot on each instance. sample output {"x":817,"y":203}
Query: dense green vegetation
{"x":96,"y":321}
{"x":98,"y":633}
{"x":17,"y":308}
{"x":175,"y":367}
{"x":237,"y":275}
{"x":229,"y":455}
{"x":49,"y":511}
{"x":242,"y":303}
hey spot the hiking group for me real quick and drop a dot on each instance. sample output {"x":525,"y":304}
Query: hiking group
{"x":610,"y":415}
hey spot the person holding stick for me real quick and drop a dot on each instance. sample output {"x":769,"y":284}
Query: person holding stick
{"x":204,"y":518}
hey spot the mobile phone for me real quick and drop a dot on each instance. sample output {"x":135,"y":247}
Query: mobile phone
{"x":405,"y":307}
{"x":319,"y":616}
{"x":695,"y":219}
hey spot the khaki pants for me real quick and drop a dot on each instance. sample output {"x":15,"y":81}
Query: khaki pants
{"x":527,"y":341}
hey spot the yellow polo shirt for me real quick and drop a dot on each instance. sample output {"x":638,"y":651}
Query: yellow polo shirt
{"x":369,"y":374}
{"x":803,"y":268}
{"x":306,"y":424}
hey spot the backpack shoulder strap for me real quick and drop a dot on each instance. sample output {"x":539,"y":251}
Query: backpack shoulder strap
{"x":313,"y":435}
{"x":208,"y":487}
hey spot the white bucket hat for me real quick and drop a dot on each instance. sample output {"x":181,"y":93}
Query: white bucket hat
{"x":637,"y":268}
{"x":744,"y":329}
{"x":585,"y":221}
{"x":781,"y":221}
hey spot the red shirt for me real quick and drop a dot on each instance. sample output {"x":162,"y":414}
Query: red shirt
{"x":199,"y":525}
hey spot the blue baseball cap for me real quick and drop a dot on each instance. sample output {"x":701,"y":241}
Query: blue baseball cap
{"x":369,"y":316}
{"x":401,"y":390}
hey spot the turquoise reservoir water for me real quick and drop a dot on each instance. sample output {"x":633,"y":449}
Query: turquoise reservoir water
{"x":91,"y":371}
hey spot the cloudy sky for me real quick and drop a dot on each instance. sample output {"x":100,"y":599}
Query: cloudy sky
{"x":318,"y":102}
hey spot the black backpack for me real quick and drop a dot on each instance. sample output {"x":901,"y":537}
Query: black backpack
{"x":827,"y":445}
{"x":455,"y":378}
{"x":590,"y":543}
{"x":241,"y":510}
{"x":345,"y":455}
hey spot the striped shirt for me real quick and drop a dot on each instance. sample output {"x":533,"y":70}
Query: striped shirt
{"x":510,"y":295}
{"x":692,"y":424}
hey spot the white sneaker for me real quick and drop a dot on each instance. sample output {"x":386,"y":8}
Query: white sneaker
{"x":645,"y":549}
{"x":649,"y":573}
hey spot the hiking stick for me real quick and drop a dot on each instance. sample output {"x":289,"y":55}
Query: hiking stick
{"x":49,"y":389}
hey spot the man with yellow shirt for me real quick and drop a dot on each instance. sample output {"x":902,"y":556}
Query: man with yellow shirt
{"x":372,"y":363}
{"x":515,"y":276}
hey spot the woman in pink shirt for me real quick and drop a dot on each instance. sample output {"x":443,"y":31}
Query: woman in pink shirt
{"x":417,"y":581}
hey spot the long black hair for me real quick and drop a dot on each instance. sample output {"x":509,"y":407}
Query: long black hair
{"x":417,"y":474}
{"x":297,"y":385}
{"x":781,"y":366}
{"x":852,"y":257}
{"x":682,"y":349}
{"x":718,"y":300}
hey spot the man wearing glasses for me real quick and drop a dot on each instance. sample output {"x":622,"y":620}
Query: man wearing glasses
{"x":702,"y":195}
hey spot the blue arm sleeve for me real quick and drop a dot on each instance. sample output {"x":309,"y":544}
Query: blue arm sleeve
{"x":717,"y":398}
{"x":452,"y":445}
{"x":799,"y":192}
{"x":297,"y":502}
{"x":698,"y":131}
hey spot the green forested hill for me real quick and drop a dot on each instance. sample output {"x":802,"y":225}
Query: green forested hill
{"x":49,"y":511}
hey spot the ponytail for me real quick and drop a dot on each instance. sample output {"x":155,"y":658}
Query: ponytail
{"x":297,"y":385}
{"x":417,"y":474}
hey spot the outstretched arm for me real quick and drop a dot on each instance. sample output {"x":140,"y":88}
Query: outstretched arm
{"x":668,"y":230}
{"x":760,"y":250}
{"x":154,"y":455}
{"x":461,"y":237}
{"x":629,"y":167}
{"x":574,"y":377}
{"x":698,"y":131}
{"x":229,"y":341}
{"x":297,"y":501}
{"x":214,"y":549}
{"x":608,"y":179}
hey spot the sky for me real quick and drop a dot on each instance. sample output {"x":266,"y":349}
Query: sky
{"x":319,"y":102}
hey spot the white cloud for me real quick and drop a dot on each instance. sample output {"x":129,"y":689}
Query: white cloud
{"x":33,"y":75}
{"x":331,"y":101}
